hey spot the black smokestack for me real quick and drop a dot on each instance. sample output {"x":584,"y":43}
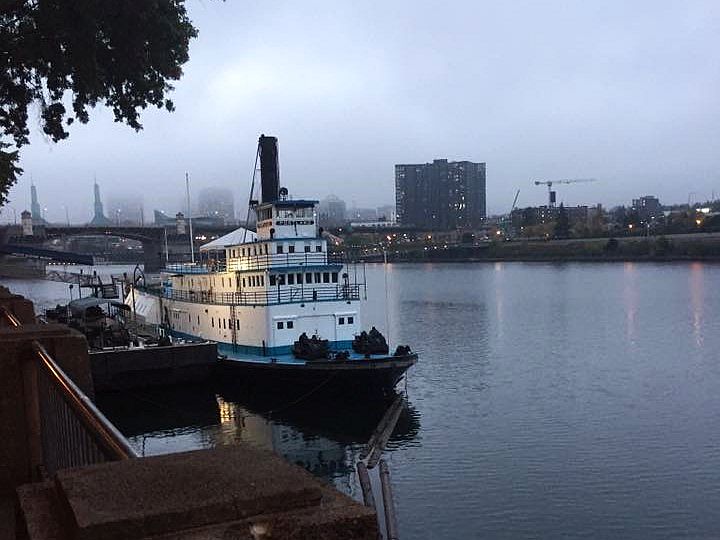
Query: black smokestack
{"x":269,"y":169}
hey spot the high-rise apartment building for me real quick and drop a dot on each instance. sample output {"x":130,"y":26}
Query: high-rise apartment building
{"x":332,"y":212}
{"x":647,"y":207}
{"x":441,"y":195}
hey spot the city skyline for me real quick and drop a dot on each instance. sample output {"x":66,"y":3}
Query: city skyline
{"x":545,"y":91}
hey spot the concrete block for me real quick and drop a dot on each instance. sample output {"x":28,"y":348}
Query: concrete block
{"x":160,"y":494}
{"x":41,"y":511}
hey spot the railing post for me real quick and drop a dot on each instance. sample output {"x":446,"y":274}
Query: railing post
{"x":32,"y":411}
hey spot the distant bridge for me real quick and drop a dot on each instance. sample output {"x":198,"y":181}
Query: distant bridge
{"x":151,"y":238}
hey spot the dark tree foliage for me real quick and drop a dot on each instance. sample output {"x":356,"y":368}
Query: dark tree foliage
{"x":76,"y":54}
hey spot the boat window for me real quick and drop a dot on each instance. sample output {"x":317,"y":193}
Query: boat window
{"x":279,"y":248}
{"x":334,"y":277}
{"x":298,"y":277}
{"x":326,"y":277}
{"x":317,"y":277}
{"x":351,"y":320}
{"x":280,"y":325}
{"x":308,"y":277}
{"x":291,"y":249}
{"x":291,"y":279}
{"x":273,"y":280}
{"x":266,"y":249}
{"x":243,"y":282}
{"x":281,"y":279}
{"x":307,"y":248}
{"x":262,"y":281}
{"x":290,"y":324}
{"x":318,"y":248}
{"x":341,"y":320}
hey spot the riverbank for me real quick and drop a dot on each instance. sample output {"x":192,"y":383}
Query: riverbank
{"x":697,"y":247}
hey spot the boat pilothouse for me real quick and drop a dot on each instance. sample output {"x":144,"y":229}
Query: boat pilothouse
{"x":276,"y":298}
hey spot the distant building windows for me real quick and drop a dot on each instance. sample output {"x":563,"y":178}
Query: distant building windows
{"x":290,"y":325}
{"x":291,"y":249}
{"x":280,"y":248}
{"x":307,"y":249}
{"x":341,"y":320}
{"x":280,"y":325}
{"x":318,"y":248}
{"x":351,"y":320}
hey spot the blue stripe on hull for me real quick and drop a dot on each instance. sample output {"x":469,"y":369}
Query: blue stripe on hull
{"x":236,"y":351}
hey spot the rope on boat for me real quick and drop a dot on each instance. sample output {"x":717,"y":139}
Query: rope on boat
{"x":303,"y":397}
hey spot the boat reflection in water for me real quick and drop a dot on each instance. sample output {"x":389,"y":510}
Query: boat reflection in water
{"x":323,"y":437}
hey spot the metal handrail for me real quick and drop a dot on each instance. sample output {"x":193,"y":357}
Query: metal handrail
{"x":261,"y":261}
{"x":110,"y":443}
{"x":114,"y":445}
{"x":266,"y":297}
{"x":10,"y":317}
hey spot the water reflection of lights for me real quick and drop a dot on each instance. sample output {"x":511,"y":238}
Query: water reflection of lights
{"x":630,"y":297}
{"x":697,"y":282}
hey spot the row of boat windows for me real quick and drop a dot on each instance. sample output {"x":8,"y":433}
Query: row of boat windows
{"x":220,"y":321}
{"x":262,"y":249}
{"x":266,"y":213}
{"x":299,"y":278}
{"x":258,"y":280}
{"x":291,"y":324}
{"x":254,"y":280}
{"x":223,"y":323}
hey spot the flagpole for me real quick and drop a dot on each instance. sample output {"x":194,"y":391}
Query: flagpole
{"x":192,"y":243}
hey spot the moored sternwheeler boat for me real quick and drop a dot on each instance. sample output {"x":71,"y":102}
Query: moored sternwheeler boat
{"x":284,"y":312}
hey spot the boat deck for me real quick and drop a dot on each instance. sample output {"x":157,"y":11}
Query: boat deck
{"x":289,"y":359}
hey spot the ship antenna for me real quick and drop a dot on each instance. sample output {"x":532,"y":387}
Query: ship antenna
{"x":252,"y":188}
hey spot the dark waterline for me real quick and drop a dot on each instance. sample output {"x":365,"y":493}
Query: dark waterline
{"x":551,"y":400}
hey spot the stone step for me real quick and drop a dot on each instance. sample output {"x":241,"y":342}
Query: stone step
{"x":228,"y":492}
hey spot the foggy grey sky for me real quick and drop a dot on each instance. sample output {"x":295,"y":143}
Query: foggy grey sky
{"x":627,"y":92}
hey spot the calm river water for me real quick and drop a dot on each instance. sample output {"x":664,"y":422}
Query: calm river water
{"x":551,"y":400}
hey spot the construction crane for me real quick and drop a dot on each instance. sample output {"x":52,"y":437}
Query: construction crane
{"x":551,"y":192}
{"x":508,"y":229}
